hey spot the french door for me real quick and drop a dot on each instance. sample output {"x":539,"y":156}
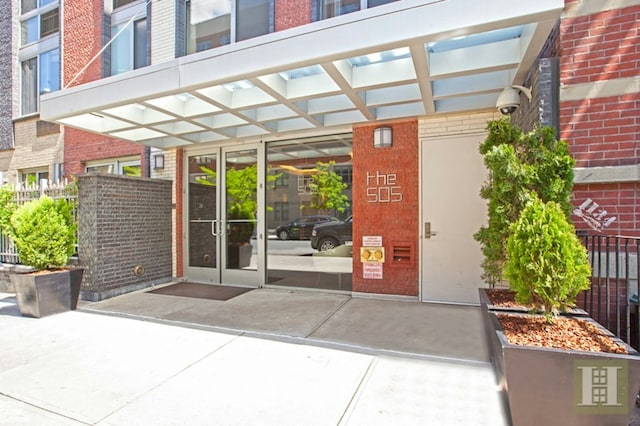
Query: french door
{"x":223,"y":216}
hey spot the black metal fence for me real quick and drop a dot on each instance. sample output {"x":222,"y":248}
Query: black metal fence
{"x":613,"y":298}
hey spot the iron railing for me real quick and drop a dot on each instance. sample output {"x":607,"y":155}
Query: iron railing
{"x":24,"y":193}
{"x":613,"y":297}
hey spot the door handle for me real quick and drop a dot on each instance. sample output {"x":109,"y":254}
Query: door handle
{"x":214,"y":228}
{"x":427,"y":231}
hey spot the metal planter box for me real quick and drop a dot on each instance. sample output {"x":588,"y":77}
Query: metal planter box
{"x":554,"y":386}
{"x":46,"y":293}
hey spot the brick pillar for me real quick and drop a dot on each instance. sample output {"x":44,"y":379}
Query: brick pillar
{"x":386,"y":203}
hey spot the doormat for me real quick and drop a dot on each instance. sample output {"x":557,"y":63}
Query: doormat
{"x":201,"y":291}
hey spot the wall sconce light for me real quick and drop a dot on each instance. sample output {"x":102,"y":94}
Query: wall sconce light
{"x":382,"y":137}
{"x":158,"y":161}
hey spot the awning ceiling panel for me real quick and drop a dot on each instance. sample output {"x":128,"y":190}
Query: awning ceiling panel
{"x":405,"y":59}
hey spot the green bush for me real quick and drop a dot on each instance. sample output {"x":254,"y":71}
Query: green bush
{"x":44,"y":232}
{"x":547,"y":265}
{"x":518,"y":163}
{"x":7,"y":207}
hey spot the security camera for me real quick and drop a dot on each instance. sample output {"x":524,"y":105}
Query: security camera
{"x":509,"y":100}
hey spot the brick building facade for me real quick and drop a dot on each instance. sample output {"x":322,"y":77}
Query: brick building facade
{"x":583,"y":79}
{"x":600,"y":109}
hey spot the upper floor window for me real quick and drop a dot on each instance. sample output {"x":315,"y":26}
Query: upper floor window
{"x":29,"y":5}
{"x":214,"y":24}
{"x":118,"y":3}
{"x":39,"y":54}
{"x":324,"y":9}
{"x":330,"y":8}
{"x":130,"y":38}
{"x":253,"y":18}
{"x":40,"y":75}
{"x":373,"y":3}
{"x":39,"y":19}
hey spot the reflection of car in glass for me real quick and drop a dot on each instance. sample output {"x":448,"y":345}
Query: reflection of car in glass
{"x":301,"y":227}
{"x":328,"y":236}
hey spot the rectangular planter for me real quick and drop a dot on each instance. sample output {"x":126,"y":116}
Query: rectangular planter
{"x":47,"y":292}
{"x":549,"y":386}
{"x":486,"y":306}
{"x":485,"y":303}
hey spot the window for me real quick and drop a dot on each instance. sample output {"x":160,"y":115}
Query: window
{"x":208,"y":24}
{"x":119,"y":3}
{"x":33,"y":177}
{"x":324,"y":9}
{"x":36,"y":83}
{"x":330,"y":8}
{"x":129,"y":48}
{"x":253,"y":18}
{"x":214,"y":24}
{"x":374,"y":3}
{"x":39,"y":54}
{"x":38,"y":20}
{"x":120,"y":167}
{"x":29,"y":5}
{"x":280,"y":211}
{"x":346,"y":173}
{"x":49,"y":23}
{"x":130,"y":38}
{"x":282,"y":180}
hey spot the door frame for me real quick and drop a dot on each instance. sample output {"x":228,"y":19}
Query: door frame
{"x":220,"y":274}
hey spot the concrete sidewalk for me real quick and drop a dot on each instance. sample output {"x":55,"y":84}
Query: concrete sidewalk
{"x":267,"y":357}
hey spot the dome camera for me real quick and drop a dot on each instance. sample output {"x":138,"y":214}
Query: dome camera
{"x":509,"y":100}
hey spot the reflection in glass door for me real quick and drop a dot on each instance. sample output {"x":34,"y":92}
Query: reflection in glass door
{"x":222,"y":209}
{"x":309,"y":199}
{"x":203,"y":224}
{"x":240,"y":210}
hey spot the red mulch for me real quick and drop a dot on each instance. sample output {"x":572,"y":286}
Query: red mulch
{"x":565,"y":333}
{"x":503,"y":298}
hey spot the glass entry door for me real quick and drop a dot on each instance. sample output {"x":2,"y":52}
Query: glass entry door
{"x":222,"y":201}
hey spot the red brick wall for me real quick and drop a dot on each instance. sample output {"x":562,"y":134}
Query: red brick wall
{"x":82,"y":40}
{"x":81,"y":146}
{"x":292,"y":13}
{"x":619,"y":200}
{"x":602,"y":46}
{"x":395,"y":222}
{"x":603,"y":130}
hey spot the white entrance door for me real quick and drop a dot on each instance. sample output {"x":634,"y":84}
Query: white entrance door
{"x":452,"y":211}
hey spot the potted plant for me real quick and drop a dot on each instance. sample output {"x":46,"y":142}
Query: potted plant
{"x":44,"y":233}
{"x":553,"y":367}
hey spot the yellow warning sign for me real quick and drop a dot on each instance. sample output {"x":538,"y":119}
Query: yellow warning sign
{"x":372,"y":254}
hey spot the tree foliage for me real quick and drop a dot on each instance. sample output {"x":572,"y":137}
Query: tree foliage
{"x":547,"y":265}
{"x":519,"y":163}
{"x":7,"y":207}
{"x":44,"y":232}
{"x":327,"y":189}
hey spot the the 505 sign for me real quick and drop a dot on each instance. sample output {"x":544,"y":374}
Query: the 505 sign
{"x":383,"y":188}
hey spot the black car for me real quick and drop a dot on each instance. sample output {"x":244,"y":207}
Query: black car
{"x":301,"y":227}
{"x":328,"y":236}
